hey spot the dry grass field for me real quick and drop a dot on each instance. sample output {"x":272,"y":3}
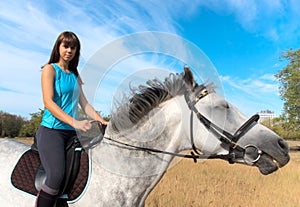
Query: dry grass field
{"x":215,"y":183}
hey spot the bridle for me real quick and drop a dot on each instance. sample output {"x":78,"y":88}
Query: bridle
{"x":235,"y":150}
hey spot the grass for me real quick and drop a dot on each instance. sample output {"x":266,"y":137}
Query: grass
{"x":215,"y":183}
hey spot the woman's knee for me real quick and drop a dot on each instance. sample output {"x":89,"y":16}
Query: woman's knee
{"x":55,"y":178}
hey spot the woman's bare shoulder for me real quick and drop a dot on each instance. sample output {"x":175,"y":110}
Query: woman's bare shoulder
{"x":48,"y":69}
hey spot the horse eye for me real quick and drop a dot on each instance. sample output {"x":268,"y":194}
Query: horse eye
{"x":226,"y":105}
{"x":223,"y":104}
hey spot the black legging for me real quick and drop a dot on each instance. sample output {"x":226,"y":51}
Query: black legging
{"x":51,"y":146}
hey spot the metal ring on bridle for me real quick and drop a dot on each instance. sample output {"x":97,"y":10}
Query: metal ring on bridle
{"x":259,"y":153}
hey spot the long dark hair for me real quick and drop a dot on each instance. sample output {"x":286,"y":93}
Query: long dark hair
{"x":69,"y":39}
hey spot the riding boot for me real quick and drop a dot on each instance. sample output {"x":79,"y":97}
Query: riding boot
{"x":45,"y":200}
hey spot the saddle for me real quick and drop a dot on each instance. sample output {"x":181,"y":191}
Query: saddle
{"x":29,"y":175}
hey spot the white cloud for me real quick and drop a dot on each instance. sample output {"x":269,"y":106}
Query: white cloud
{"x":272,"y":19}
{"x":29,"y":28}
{"x":270,"y":77}
{"x":20,"y":68}
{"x":253,"y":94}
{"x":255,"y":86}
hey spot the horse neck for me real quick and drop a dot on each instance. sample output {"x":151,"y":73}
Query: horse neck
{"x":136,"y":172}
{"x":160,"y":129}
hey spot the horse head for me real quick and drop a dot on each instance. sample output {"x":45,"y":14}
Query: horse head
{"x":229,"y":134}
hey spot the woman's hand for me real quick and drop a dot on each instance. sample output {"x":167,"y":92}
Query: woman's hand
{"x":103,"y":122}
{"x":83,"y":125}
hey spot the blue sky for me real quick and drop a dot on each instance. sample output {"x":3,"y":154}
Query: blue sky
{"x":242,"y":38}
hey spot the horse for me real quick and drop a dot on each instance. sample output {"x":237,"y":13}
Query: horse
{"x":155,"y":123}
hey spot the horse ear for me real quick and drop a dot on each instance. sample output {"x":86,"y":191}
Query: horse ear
{"x":188,"y":78}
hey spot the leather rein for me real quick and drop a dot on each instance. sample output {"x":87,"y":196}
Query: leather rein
{"x":235,"y":150}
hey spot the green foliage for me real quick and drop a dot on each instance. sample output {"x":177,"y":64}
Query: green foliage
{"x":278,"y":125}
{"x":10,"y":124}
{"x":106,"y":117}
{"x":289,"y":78}
{"x":31,"y":126}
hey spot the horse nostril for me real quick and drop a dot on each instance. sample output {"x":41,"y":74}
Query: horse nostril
{"x":283,"y":144}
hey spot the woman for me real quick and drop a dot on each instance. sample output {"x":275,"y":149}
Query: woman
{"x":62,"y":91}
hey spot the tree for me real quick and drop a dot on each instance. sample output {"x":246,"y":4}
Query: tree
{"x":289,"y":78}
{"x":10,"y":124}
{"x":31,"y":126}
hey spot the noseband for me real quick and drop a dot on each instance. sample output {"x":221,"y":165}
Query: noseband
{"x":235,"y":150}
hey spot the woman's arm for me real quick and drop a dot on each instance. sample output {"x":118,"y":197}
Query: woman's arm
{"x":48,"y":77}
{"x":88,"y":109}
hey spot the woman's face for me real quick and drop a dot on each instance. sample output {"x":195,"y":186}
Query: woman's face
{"x":67,"y":52}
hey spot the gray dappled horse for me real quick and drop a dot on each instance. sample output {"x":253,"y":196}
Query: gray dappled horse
{"x":147,"y":130}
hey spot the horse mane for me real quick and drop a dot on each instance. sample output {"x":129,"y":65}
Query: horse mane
{"x":144,"y":98}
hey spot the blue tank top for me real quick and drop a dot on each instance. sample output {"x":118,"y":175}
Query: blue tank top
{"x":66,"y":96}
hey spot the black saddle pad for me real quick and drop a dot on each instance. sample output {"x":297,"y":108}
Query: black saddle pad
{"x":23,"y":175}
